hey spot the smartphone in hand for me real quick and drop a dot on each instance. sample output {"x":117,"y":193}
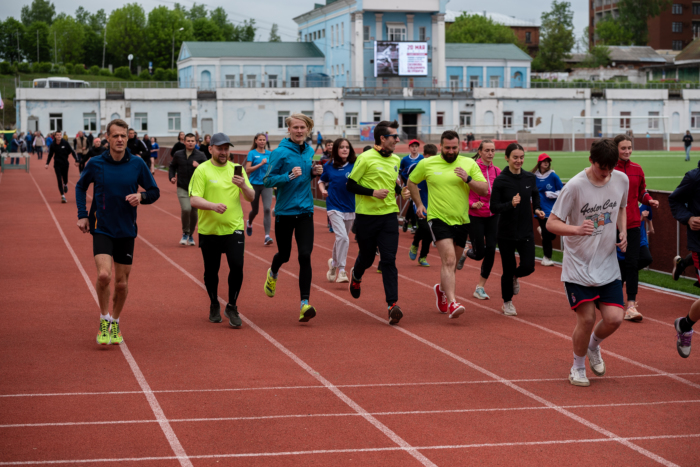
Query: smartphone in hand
{"x":238,"y":171}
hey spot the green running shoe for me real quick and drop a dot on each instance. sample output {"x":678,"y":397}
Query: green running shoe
{"x":270,"y":284}
{"x":413,"y":252}
{"x":103,"y":334}
{"x":115,"y":335}
{"x":307,"y":312}
{"x":423,"y":262}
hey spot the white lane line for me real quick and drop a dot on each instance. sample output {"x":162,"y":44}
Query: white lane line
{"x":152,"y":401}
{"x":362,"y":450}
{"x":316,"y":375}
{"x":351,"y":414}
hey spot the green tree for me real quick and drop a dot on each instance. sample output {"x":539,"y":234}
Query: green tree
{"x":68,"y":36}
{"x":556,"y":37}
{"x":635,"y":13}
{"x":197,"y":12}
{"x":598,"y":56}
{"x":220,"y":18}
{"x":245,"y":32}
{"x":163,"y":25}
{"x":39,"y":10}
{"x":478,"y":29}
{"x":12,"y":34}
{"x":610,"y":31}
{"x":126,"y":31}
{"x":93,"y":25}
{"x":274,"y":34}
{"x":37,"y":33}
{"x":205,"y":29}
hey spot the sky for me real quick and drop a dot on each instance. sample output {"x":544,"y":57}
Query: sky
{"x":266,"y":12}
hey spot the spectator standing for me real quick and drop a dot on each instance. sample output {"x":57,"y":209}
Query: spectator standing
{"x":90,"y":139}
{"x":688,"y":142}
{"x":39,"y":143}
{"x":80,"y":144}
{"x":28,"y":140}
{"x":319,"y":141}
{"x":267,"y":140}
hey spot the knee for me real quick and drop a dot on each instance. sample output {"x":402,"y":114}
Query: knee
{"x":104,"y":278}
{"x":266,"y":211}
{"x":304,"y":257}
{"x":450,"y":263}
{"x":587,"y":322}
{"x":121,"y":286}
{"x":526,"y":270}
{"x":613,"y":320}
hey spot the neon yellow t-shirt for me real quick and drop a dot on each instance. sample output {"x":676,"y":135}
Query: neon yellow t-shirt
{"x":376,"y":172}
{"x":448,"y":195}
{"x":215,"y":185}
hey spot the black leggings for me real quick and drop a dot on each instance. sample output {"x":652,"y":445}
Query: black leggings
{"x":213,"y":246}
{"x":302,"y":227}
{"x":422,"y":235}
{"x":526,"y":249}
{"x":482,"y":232}
{"x":547,"y":238}
{"x":381,"y":231}
{"x":643,"y":261}
{"x":61,"y":177}
{"x":631,"y":271}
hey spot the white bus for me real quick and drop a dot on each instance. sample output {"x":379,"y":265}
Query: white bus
{"x":58,"y":82}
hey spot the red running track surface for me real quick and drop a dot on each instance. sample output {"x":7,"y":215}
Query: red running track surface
{"x":343,"y":389}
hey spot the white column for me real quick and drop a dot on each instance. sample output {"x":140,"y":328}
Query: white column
{"x":485,"y":81}
{"x":193,"y":110}
{"x":610,"y":120}
{"x":218,"y":78}
{"x":409,"y":27}
{"x":363,"y":111}
{"x":433,"y":116}
{"x":506,"y":77}
{"x":358,"y":57}
{"x":263,"y":76}
{"x":219,"y":114}
{"x":387,"y":110}
{"x":588,"y":121}
{"x":455,"y":113}
{"x":686,"y":116}
{"x":439,"y":49}
{"x":379,"y":32}
{"x":23,"y":118}
{"x":465,"y":78}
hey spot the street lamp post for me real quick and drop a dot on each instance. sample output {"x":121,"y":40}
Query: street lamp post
{"x":172,"y":60}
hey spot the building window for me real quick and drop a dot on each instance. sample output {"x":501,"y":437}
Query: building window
{"x":396,"y":32}
{"x":332,"y":36}
{"x":676,"y":27}
{"x":173,"y":121}
{"x":465,"y":119}
{"x":230,"y":81}
{"x":365,"y":33}
{"x":250,"y":81}
{"x":342,"y":68}
{"x":56,"y":122}
{"x":141,"y":121}
{"x":495,"y":81}
{"x":440,"y":118}
{"x":677,"y":45}
{"x":696,"y":8}
{"x":677,"y":9}
{"x":695,"y":120}
{"x":507,"y":119}
{"x":529,"y":120}
{"x":351,"y":120}
{"x":653,"y":122}
{"x":308,"y":113}
{"x":625,"y":123}
{"x":421,"y":34}
{"x":528,"y":37}
{"x":323,"y":33}
{"x":473,"y":82}
{"x":90,"y":122}
{"x":281,"y":119}
{"x":454,"y":83}
{"x":271,"y":81}
{"x":342,"y":33}
{"x":294,"y":82}
{"x":377,"y":117}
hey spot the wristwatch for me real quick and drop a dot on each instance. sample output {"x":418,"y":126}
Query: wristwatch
{"x":469,"y":179}
{"x":143,"y":196}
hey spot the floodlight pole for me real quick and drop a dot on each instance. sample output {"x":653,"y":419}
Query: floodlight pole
{"x":172,"y":59}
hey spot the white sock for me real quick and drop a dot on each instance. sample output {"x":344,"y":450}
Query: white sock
{"x":342,"y":269}
{"x":579,"y":362}
{"x":105,"y":317}
{"x":594,"y":342}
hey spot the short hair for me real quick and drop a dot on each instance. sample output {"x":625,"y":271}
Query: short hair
{"x":366,"y":148}
{"x":382,"y":129}
{"x":604,"y":153}
{"x":131,"y":129}
{"x":117,"y":122}
{"x":328,"y":141}
{"x":620,"y":138}
{"x":513,"y":147}
{"x":430,"y":149}
{"x":191,"y":135}
{"x":337,"y":161}
{"x":449,"y":134}
{"x":303,"y":118}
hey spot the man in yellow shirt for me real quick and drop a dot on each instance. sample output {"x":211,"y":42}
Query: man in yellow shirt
{"x":450,"y":177}
{"x":216,"y":189}
{"x":373,"y":180}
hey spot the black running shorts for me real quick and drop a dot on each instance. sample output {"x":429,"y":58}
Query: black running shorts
{"x":608,"y":294}
{"x":440,"y":231}
{"x":120,"y":249}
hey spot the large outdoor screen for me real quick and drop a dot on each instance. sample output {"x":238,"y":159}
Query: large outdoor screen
{"x":400,"y":59}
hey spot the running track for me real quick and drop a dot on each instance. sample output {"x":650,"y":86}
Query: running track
{"x":344,"y":389}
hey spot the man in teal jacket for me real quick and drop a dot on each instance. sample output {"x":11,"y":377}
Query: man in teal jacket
{"x":291,"y":170}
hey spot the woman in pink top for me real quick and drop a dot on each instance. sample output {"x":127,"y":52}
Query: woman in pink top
{"x":483,"y":224}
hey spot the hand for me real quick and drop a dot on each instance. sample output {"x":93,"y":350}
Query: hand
{"x":651,"y":231}
{"x":654,"y":203}
{"x":238,"y":180}
{"x":406,"y":193}
{"x":195,"y":163}
{"x":478,"y":205}
{"x":153,"y":171}
{"x":318,"y":169}
{"x":296,"y":171}
{"x":645,"y":214}
{"x":516,"y":200}
{"x":623,"y":242}
{"x":263,"y":162}
{"x":46,"y":166}
{"x":77,"y":164}
{"x":550,"y":195}
{"x":421,"y":212}
{"x":220,"y":208}
{"x":134,"y":199}
{"x":586,"y":228}
{"x":380,"y":194}
{"x":461,"y":173}
{"x":694,"y":223}
{"x":323,"y":191}
{"x":173,"y":180}
{"x":539,"y":213}
{"x":83,"y":225}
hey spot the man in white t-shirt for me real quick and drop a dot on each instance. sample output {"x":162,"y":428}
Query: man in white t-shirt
{"x":589,"y":209}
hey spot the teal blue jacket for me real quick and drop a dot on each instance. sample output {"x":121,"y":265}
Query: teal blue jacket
{"x":293,"y":196}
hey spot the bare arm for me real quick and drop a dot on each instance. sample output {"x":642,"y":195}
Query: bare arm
{"x":201,"y":203}
{"x":250,"y":168}
{"x":561,"y":228}
{"x":622,"y":227}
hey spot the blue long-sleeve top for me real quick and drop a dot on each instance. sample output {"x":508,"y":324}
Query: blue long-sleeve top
{"x":110,"y":212}
{"x":549,"y":181}
{"x":293,"y":195}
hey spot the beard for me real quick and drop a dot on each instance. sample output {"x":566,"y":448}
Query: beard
{"x":450,"y":158}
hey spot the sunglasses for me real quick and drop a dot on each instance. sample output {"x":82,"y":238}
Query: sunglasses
{"x":392,"y":136}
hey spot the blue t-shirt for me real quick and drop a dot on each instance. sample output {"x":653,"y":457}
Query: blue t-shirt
{"x":254,"y":157}
{"x":550,"y":183}
{"x":154,"y":149}
{"x":407,"y":162}
{"x":643,"y":239}
{"x":422,"y":186}
{"x":339,"y":198}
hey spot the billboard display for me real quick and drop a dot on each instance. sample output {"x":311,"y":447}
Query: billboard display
{"x":393,"y":59}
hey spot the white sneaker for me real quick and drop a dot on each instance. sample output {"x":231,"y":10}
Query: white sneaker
{"x":332,"y":273}
{"x":480,"y":293}
{"x":183,"y":240}
{"x":343,"y":276}
{"x":547,"y":262}
{"x":509,"y":309}
{"x":596,"y":362}
{"x":577,"y":377}
{"x":516,"y":286}
{"x":539,"y":231}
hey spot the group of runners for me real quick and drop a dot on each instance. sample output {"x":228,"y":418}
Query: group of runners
{"x":454,"y":198}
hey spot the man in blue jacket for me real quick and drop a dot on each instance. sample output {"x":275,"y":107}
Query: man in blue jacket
{"x":291,"y":170}
{"x":117,"y":175}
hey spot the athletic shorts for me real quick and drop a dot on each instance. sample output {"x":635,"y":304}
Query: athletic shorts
{"x":440,"y":231}
{"x":608,"y":294}
{"x":120,"y":249}
{"x":696,"y":263}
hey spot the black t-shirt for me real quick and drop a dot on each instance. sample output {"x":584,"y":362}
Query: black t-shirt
{"x":688,"y":140}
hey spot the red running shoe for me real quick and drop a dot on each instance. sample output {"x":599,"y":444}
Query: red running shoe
{"x":440,"y":299}
{"x":455,"y":310}
{"x":354,"y":286}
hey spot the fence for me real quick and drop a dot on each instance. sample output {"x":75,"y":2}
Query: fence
{"x":610,"y":85}
{"x":108,"y":84}
{"x":584,"y":144}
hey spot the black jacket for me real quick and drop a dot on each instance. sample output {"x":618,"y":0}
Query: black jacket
{"x":182,"y":166}
{"x":177,"y":147}
{"x":61,"y":150}
{"x":685,"y":203}
{"x":515,"y":223}
{"x":92,"y":152}
{"x":138,"y":148}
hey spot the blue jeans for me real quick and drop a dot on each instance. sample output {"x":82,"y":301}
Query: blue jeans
{"x":687,"y":153}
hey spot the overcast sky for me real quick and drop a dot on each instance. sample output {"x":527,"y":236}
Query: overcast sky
{"x":281,"y":12}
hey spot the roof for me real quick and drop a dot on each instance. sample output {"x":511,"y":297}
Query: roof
{"x":498,"y":18}
{"x":485,"y":52}
{"x":690,"y":54}
{"x":253,"y":49}
{"x":623,"y":53}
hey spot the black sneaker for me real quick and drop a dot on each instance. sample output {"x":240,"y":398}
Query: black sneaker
{"x":471,"y":254}
{"x":215,"y":313}
{"x":354,"y":285}
{"x":405,"y":226}
{"x":395,"y":314}
{"x":678,"y":267}
{"x":65,"y":188}
{"x":231,"y":312}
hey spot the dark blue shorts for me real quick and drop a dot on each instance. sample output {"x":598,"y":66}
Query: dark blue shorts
{"x":608,"y":294}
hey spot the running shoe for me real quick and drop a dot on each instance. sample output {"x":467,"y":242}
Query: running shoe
{"x":682,"y":339}
{"x":268,"y":241}
{"x":270,"y":284}
{"x":65,"y":188}
{"x":379,"y":268}
{"x":509,"y":309}
{"x":677,"y":267}
{"x":231,"y":312}
{"x":471,"y":254}
{"x":215,"y":313}
{"x":307,"y":312}
{"x":395,"y":314}
{"x":631,"y":314}
{"x":183,"y":240}
{"x":413,"y":252}
{"x":596,"y":362}
{"x":423,"y":262}
{"x":404,"y":227}
{"x":455,"y":310}
{"x":516,"y":286}
{"x":480,"y":293}
{"x":440,"y":299}
{"x":115,"y":334}
{"x":461,"y":260}
{"x":248,"y":228}
{"x":332,"y":273}
{"x":539,"y":231}
{"x":546,"y":262}
{"x":103,"y":333}
{"x":355,"y":285}
{"x":577,"y":377}
{"x":413,"y":229}
{"x":63,"y":199}
{"x":190,"y":241}
{"x":343,"y":276}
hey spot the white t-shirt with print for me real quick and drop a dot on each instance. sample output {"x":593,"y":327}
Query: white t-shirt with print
{"x":592,"y":260}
